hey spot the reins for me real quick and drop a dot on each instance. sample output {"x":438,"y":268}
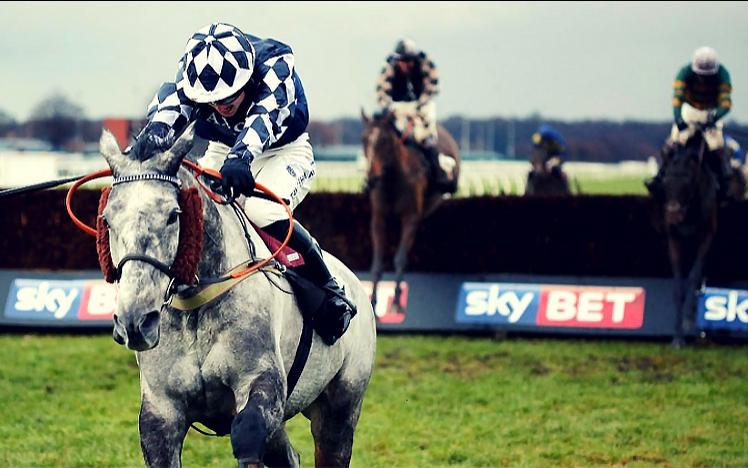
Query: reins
{"x":197,"y":171}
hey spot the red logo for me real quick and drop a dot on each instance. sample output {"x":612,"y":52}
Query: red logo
{"x":98,"y":301}
{"x":591,"y":307}
{"x":384,"y":311}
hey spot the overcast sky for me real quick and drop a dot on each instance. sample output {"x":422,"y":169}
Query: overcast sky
{"x":563,"y":60}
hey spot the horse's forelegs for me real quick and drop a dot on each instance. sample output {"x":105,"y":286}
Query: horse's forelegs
{"x":407,"y":238}
{"x":261,"y":416}
{"x":162,"y":430}
{"x":675,"y":249}
{"x":280,"y":452}
{"x":334,"y":416}
{"x":695,"y":277}
{"x":378,"y":234}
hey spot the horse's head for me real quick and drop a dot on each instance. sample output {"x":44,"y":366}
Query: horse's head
{"x":379,"y":136}
{"x":683,"y":180}
{"x":142,"y":214}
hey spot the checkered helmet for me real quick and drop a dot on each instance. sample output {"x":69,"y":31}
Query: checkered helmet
{"x":705,"y":61}
{"x":218,"y":62}
{"x":406,"y":48}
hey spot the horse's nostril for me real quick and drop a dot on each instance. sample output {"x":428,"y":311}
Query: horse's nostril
{"x":150,"y":320}
{"x":116,"y":335}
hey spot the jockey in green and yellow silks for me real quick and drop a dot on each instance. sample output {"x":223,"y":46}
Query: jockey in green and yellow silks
{"x":701,"y":98}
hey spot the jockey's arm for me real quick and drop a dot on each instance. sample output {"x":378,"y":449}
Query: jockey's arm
{"x":170,"y":111}
{"x":679,"y":92}
{"x":724,"y":100}
{"x":384,"y":86}
{"x":271,"y":107}
{"x":430,"y":80}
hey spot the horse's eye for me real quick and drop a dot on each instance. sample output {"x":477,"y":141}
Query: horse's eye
{"x":106,"y":221}
{"x":174,"y":216}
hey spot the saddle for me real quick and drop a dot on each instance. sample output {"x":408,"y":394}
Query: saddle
{"x":310,"y":297}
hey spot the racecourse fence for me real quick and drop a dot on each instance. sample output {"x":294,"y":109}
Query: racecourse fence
{"x":612,"y":236}
{"x":585,"y":265}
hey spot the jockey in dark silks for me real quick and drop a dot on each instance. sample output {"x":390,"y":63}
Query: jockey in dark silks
{"x":247,"y":99}
{"x":553,"y":146}
{"x":407,"y":85}
{"x":701,"y":98}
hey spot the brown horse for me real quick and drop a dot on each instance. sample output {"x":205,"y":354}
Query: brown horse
{"x":398,"y":185}
{"x":542,"y":181}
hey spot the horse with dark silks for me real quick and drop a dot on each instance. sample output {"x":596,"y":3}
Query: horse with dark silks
{"x":542,"y":181}
{"x":224,"y":364}
{"x":690,"y":220}
{"x":398,"y":184}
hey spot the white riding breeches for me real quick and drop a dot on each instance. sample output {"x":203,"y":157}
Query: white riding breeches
{"x":692,"y":116}
{"x":424,"y":120}
{"x":287,"y":171}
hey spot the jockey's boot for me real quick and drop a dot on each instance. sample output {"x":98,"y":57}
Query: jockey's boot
{"x":438,"y":177}
{"x":335,"y":315}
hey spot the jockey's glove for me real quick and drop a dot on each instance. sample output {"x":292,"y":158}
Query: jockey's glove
{"x":236,"y":178}
{"x":159,"y":133}
{"x":681,"y":124}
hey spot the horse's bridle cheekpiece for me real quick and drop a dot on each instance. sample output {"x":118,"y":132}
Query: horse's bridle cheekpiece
{"x":184,"y":268}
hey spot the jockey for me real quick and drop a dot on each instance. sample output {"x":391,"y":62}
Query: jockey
{"x":246,"y":98}
{"x":553,"y":146}
{"x":408,"y":82}
{"x":701,"y":97}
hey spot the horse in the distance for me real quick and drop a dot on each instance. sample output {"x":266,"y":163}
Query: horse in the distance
{"x":690,"y":211}
{"x":226,"y":363}
{"x":398,"y":185}
{"x":542,"y":181}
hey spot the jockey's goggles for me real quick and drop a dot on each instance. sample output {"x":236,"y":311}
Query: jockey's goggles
{"x":227,"y":101}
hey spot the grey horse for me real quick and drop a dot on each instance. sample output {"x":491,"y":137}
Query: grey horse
{"x":224,"y":365}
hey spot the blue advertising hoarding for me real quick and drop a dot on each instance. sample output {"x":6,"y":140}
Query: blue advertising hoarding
{"x":723,"y":309}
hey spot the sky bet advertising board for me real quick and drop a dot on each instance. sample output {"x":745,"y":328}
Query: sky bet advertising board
{"x":63,"y":300}
{"x":723,"y":309}
{"x":550,"y":306}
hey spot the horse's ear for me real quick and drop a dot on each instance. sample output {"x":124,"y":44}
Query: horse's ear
{"x":109,"y":148}
{"x":184,"y":144}
{"x":365,"y":118}
{"x":170,"y":160}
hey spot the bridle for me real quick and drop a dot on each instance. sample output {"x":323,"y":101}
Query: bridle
{"x":214,"y":286}
{"x":155,"y":263}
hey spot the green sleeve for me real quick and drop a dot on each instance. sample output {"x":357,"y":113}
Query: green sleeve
{"x":725,"y":92}
{"x":679,"y":88}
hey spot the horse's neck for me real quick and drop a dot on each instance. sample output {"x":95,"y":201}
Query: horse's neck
{"x":396,"y":160}
{"x":224,"y":241}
